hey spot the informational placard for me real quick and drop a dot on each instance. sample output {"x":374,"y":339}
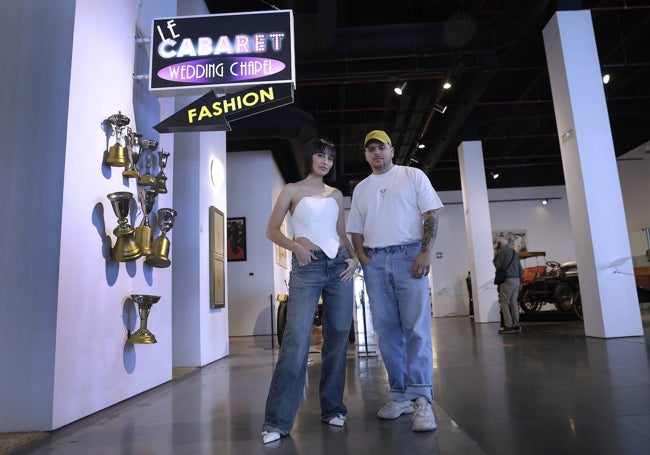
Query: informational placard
{"x":223,"y":52}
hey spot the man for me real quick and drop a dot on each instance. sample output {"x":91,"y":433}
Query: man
{"x":393,"y":223}
{"x":507,"y":258}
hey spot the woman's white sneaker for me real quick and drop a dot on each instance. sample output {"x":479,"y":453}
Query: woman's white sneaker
{"x":270,"y":436}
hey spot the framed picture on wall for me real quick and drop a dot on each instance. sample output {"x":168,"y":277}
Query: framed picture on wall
{"x":236,"y":240}
{"x":217,"y":270}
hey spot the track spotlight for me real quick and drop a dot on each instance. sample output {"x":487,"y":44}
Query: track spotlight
{"x":544,"y":201}
{"x":494,"y":174}
{"x":440,"y":108}
{"x":400,"y":88}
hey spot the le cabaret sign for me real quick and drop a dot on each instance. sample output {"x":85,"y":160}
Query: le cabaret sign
{"x":248,"y":57}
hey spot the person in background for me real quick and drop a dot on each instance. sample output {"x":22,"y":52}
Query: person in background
{"x":507,"y":258}
{"x":393,"y":223}
{"x":323,"y":264}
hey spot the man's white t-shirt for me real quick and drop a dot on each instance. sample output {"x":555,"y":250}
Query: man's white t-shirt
{"x":387,"y":208}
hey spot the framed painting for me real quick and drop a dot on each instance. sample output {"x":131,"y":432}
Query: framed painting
{"x":217,"y":269}
{"x":236,"y":241}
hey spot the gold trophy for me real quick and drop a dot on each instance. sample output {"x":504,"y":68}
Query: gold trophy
{"x":116,"y":153}
{"x":147,"y":146}
{"x":125,"y":248}
{"x":144,"y":233}
{"x":144,"y":302}
{"x":160,"y":256}
{"x":161,"y":178}
{"x":133,"y":154}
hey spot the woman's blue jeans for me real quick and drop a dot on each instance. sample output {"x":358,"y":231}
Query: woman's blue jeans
{"x":401,"y":316}
{"x":306,"y":285}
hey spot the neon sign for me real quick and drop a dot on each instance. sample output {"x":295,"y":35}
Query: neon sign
{"x":225,"y":51}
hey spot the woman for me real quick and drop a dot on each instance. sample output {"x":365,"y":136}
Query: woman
{"x":323,"y":264}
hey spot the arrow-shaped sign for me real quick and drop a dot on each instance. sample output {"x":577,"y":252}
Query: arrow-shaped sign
{"x":212,"y":113}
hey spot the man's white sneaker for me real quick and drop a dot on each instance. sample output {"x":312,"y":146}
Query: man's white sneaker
{"x":423,"y":418}
{"x":393,"y":409}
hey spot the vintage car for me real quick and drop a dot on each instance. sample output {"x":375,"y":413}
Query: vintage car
{"x":552,"y":283}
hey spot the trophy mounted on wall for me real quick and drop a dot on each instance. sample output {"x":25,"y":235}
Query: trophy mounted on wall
{"x":133,"y":154}
{"x":147,"y":146}
{"x":125,"y":248}
{"x":160,"y":256}
{"x":117,"y":156}
{"x":144,"y":303}
{"x":144,"y":233}
{"x":161,"y":179}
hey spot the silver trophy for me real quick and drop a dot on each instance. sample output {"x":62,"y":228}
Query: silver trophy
{"x":125,"y":248}
{"x":144,"y":233}
{"x":147,"y":146}
{"x":116,"y":155}
{"x":161,"y":179}
{"x":133,"y":154}
{"x":144,"y":302}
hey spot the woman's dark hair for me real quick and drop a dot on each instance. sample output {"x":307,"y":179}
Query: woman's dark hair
{"x":320,"y":146}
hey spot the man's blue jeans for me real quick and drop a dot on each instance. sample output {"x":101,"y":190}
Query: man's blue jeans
{"x":306,"y":285}
{"x":401,"y":315}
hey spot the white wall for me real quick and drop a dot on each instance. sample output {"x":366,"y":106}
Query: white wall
{"x":280,"y":274}
{"x":66,"y":307}
{"x":94,"y":311}
{"x":200,"y":334}
{"x":33,"y":113}
{"x":251,"y":178}
{"x":634,"y":173}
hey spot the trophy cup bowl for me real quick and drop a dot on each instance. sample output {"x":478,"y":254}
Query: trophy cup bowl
{"x":125,"y":248}
{"x":144,"y":303}
{"x":160,"y":256}
{"x":166,"y":219}
{"x":119,"y":120}
{"x":148,"y":145}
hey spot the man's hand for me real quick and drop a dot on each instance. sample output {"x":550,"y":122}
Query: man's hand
{"x":421,"y":266}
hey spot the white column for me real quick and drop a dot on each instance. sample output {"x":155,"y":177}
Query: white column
{"x":479,"y":231}
{"x":609,"y":299}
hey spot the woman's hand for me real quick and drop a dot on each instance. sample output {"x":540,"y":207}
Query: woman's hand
{"x":303,"y":254}
{"x":348,"y":273}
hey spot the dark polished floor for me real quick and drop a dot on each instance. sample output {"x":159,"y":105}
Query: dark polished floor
{"x":548,"y":390}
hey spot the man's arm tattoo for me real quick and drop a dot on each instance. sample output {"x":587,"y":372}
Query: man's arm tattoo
{"x":430,"y":229}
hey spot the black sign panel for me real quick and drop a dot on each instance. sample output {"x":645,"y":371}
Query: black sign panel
{"x":212,"y":113}
{"x":226,"y":52}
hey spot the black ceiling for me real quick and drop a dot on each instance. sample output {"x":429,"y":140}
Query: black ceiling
{"x":350,"y":54}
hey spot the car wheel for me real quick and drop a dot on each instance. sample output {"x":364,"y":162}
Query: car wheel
{"x":577,"y":305}
{"x":526,"y":302}
{"x":564,"y":296}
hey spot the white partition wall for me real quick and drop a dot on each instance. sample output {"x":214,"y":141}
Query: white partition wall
{"x":609,"y":299}
{"x":479,"y":231}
